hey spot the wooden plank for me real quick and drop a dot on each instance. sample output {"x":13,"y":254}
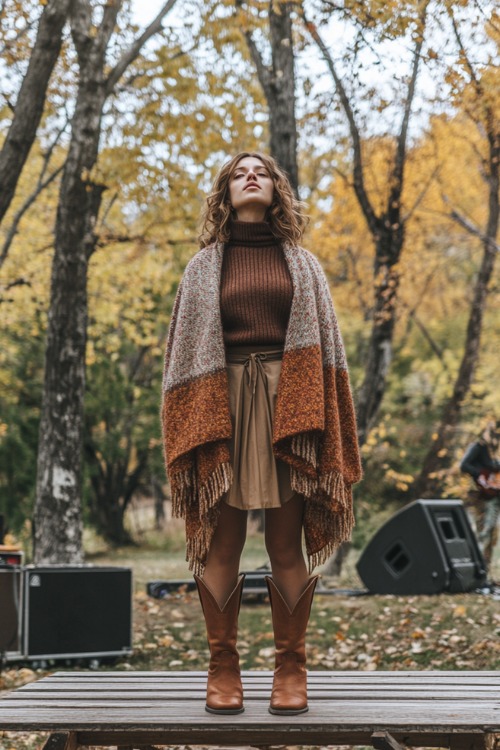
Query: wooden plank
{"x":325,"y":690}
{"x":460,"y":710}
{"x":420,"y":711}
{"x":379,"y":677}
{"x":254,"y":693}
{"x":326,"y":681}
{"x":16,"y":703}
{"x":329,"y":715}
{"x":314,"y":678}
{"x":414,"y":674}
{"x":375,"y":676}
{"x":471,"y":741}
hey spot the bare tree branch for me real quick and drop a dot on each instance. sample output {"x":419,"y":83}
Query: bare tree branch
{"x":19,"y":34}
{"x":458,"y":37}
{"x":487,"y":19}
{"x":50,"y":149}
{"x":40,"y":186}
{"x":430,"y":340}
{"x":359,"y":185}
{"x":412,"y":316}
{"x":110,"y":205}
{"x":21,"y":281}
{"x":263,"y":72}
{"x":134,"y":50}
{"x":359,"y":284}
{"x":31,"y":98}
{"x":421,"y":195}
{"x":22,"y":210}
{"x":17,"y":282}
{"x":152,"y":71}
{"x":473,"y":229}
{"x":108,"y":23}
{"x":397,"y":176}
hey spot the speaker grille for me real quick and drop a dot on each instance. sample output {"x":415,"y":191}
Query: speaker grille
{"x":397,"y":559}
{"x":78,"y":611}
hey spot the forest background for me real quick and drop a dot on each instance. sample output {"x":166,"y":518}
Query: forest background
{"x":386,"y":117}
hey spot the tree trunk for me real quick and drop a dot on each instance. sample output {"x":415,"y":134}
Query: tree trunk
{"x":486,"y":118}
{"x":57,"y":517}
{"x":159,"y":502}
{"x":387,"y":229}
{"x":108,"y":516}
{"x":437,"y":458}
{"x":31,"y":99}
{"x":280,"y":93}
{"x":113,"y":487}
{"x":278,"y":84}
{"x":389,"y":245}
{"x":57,"y":520}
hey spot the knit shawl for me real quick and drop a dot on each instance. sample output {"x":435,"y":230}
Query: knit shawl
{"x":314,"y":427}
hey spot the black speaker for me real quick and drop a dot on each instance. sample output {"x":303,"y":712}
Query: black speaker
{"x":10,"y":612}
{"x":428,"y":547}
{"x":77,"y":611}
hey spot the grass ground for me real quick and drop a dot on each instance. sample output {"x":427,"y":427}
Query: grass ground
{"x":459,"y":631}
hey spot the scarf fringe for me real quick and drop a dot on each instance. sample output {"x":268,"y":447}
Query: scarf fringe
{"x":211,"y":491}
{"x":209,"y":495}
{"x":329,"y":507}
{"x":183,"y":489}
{"x":340,"y":523}
{"x":332,"y":485}
{"x":306,"y":445}
{"x":197,"y":548}
{"x":307,"y":486}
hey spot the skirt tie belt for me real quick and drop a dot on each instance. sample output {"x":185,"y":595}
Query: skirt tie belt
{"x":260,"y":480}
{"x":253,"y":364}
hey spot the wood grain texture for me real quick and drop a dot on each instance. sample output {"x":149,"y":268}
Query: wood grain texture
{"x":460,"y":710}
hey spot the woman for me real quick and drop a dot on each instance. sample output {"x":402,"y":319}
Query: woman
{"x":257,"y":413}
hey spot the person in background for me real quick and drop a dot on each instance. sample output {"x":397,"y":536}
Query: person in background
{"x":257,"y":413}
{"x":480,"y":463}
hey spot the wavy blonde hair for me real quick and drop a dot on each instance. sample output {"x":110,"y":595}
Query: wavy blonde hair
{"x":285,"y":214}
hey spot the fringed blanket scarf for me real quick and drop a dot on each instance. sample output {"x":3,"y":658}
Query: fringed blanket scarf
{"x":314,"y":428}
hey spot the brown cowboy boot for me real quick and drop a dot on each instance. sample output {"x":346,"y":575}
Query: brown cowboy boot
{"x":289,"y":694}
{"x":224,"y":690}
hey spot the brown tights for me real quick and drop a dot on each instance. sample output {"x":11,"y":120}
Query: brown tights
{"x":283,"y":536}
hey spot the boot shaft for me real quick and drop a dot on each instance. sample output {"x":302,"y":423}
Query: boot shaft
{"x":290,"y":626}
{"x":224,"y":689}
{"x":221,"y":623}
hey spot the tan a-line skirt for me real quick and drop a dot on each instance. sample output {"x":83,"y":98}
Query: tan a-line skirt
{"x":260,"y":480}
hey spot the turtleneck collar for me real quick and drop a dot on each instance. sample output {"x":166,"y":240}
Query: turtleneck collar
{"x":252,"y":234}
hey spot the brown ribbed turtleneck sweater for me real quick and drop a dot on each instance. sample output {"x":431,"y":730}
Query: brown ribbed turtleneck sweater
{"x":256,"y":288}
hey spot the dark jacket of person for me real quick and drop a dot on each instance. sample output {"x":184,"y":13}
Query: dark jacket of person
{"x":478,"y":458}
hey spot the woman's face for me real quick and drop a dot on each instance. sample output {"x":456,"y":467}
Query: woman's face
{"x":251,"y":189}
